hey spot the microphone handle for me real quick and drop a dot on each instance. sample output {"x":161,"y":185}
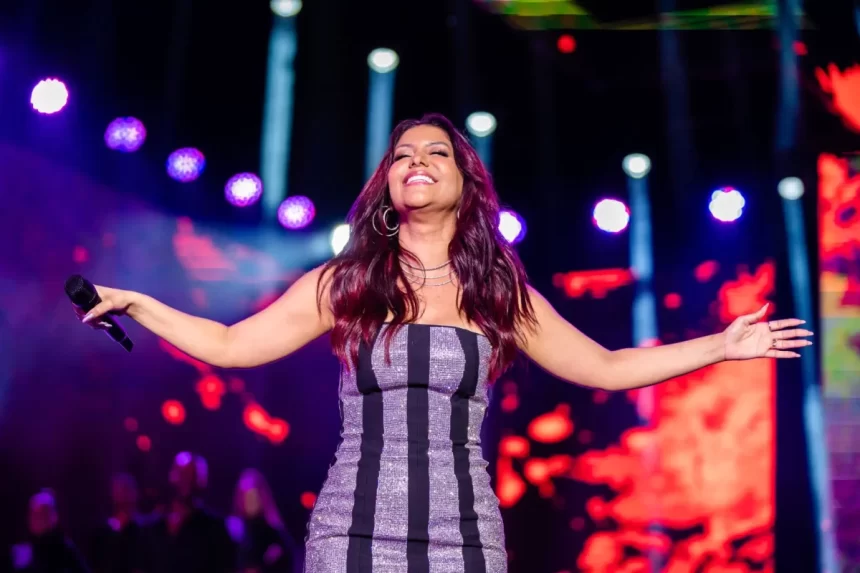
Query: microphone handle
{"x":116,"y":333}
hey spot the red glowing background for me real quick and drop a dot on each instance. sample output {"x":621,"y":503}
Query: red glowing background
{"x":702,"y":471}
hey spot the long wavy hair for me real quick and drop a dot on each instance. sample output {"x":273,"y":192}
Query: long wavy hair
{"x":366,"y":281}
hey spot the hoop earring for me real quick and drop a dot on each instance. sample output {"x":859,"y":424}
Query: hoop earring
{"x":392,"y":230}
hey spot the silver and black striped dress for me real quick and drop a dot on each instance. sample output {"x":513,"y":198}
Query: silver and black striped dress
{"x":409,"y":491}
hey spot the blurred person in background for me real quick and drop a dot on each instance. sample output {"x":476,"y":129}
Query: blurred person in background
{"x":116,"y":544}
{"x":188,"y":538}
{"x":427,"y":305}
{"x":264,"y":545}
{"x":47,"y":550}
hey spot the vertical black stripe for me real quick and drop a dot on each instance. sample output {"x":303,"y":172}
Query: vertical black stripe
{"x":473,"y":555}
{"x":359,"y":558}
{"x":418,"y":428}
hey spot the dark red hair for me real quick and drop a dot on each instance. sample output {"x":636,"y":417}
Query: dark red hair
{"x":366,"y":281}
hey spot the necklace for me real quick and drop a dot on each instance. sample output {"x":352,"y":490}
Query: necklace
{"x":425,"y":269}
{"x":424,"y":283}
{"x":425,"y":276}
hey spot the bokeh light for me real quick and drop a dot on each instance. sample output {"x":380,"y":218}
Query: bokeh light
{"x":383,"y":60}
{"x":566,"y":44}
{"x":481,"y":123}
{"x":339,"y":238}
{"x":125,"y":134}
{"x":49,"y":96}
{"x":611,"y":215}
{"x":286,"y":8}
{"x":296,"y":212}
{"x":243,"y":189}
{"x":727,"y":204}
{"x":790,"y":188}
{"x":512,"y":226}
{"x":185,"y":164}
{"x":636,"y":165}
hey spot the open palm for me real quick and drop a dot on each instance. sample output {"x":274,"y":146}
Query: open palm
{"x":747,"y":338}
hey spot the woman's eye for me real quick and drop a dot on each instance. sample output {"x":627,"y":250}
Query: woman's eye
{"x":442,"y":153}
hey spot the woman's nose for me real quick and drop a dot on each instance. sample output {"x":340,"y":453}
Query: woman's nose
{"x":418,"y":159}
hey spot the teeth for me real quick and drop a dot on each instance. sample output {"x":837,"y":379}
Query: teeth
{"x":419,"y":179}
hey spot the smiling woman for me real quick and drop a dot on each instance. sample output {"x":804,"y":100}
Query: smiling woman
{"x":427,"y":304}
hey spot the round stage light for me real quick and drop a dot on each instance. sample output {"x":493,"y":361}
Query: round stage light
{"x":790,"y":188}
{"x":636,"y":165}
{"x":125,"y":134}
{"x":243,"y":189}
{"x":49,"y":96}
{"x":286,"y":8}
{"x":296,"y":212}
{"x":611,"y":215}
{"x":481,"y":123}
{"x":566,"y":44}
{"x":339,"y":238}
{"x":512,"y":226}
{"x":185,"y":165}
{"x":383,"y":60}
{"x":727,"y":204}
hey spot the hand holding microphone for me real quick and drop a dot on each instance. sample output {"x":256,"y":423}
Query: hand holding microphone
{"x":97,"y":305}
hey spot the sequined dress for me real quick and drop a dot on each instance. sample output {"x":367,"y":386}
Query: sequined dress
{"x":409,"y":491}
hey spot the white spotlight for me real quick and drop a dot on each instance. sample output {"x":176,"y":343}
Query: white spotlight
{"x":636,"y":165}
{"x":790,"y":188}
{"x":383,"y":60}
{"x":481,"y":123}
{"x":286,"y":8}
{"x":339,"y":238}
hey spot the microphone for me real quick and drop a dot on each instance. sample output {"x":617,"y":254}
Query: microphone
{"x":83,"y":295}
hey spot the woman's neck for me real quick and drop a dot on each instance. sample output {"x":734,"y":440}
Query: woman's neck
{"x":429,"y":241}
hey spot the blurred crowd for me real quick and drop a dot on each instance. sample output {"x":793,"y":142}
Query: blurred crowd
{"x":182,"y":536}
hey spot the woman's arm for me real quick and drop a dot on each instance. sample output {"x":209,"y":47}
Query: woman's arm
{"x":567,"y":353}
{"x":280,"y":329}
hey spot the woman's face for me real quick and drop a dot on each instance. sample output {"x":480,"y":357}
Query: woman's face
{"x":424,"y":174}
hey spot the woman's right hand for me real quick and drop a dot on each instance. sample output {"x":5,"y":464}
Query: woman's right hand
{"x":114,"y":301}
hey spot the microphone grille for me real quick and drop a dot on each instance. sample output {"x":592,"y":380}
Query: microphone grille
{"x":79,"y":290}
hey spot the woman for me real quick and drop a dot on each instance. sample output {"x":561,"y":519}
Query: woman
{"x":256,"y":527}
{"x":426,"y":306}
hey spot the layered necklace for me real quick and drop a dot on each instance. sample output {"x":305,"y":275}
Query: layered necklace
{"x":442,"y":275}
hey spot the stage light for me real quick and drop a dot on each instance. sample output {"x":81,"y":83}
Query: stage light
{"x":566,"y":44}
{"x":790,"y":188}
{"x":611,"y":215}
{"x":727,"y":204}
{"x":186,"y":164}
{"x":49,"y":96}
{"x":636,"y":165}
{"x":383,"y":60}
{"x":481,"y":124}
{"x":286,"y":8}
{"x":296,"y":212}
{"x":511,"y":226}
{"x":125,"y":134}
{"x":243,"y":189}
{"x":339,"y":238}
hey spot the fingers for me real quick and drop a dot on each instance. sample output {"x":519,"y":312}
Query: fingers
{"x":98,"y":310}
{"x":781,"y":354}
{"x":792,"y":333}
{"x":756,"y":316}
{"x":782,"y":344}
{"x":784,"y":323}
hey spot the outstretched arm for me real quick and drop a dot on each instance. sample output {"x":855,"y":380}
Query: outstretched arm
{"x":280,"y":329}
{"x":565,"y":352}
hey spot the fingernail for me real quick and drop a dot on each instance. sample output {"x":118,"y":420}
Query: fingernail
{"x":802,"y":322}
{"x":87,"y":317}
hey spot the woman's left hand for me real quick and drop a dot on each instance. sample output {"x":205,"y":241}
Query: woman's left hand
{"x":747,"y":338}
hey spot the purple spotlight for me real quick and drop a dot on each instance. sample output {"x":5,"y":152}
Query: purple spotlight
{"x":185,"y":164}
{"x":243,"y":189}
{"x":296,"y":212}
{"x":49,"y":96}
{"x":511,"y":226}
{"x":125,"y":134}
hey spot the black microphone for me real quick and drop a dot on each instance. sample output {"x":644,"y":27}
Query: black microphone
{"x":83,"y":295}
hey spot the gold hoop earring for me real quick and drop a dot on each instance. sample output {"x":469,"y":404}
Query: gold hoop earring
{"x":392,"y":229}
